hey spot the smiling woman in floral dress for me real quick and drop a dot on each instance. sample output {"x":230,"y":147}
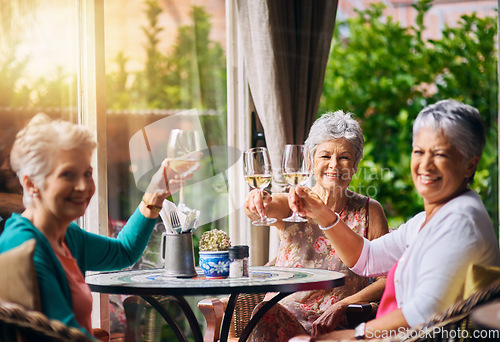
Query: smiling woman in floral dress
{"x":336,"y":144}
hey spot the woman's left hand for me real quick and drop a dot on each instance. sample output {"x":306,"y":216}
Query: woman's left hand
{"x":330,"y":319}
{"x":164,"y":182}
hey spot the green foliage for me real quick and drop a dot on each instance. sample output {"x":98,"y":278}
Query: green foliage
{"x":117,"y":93}
{"x":385,"y":74}
{"x":11,"y":70}
{"x":191,"y":74}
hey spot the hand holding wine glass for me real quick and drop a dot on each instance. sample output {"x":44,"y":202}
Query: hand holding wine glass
{"x":182,"y":149}
{"x":296,"y":171}
{"x":258,"y":174}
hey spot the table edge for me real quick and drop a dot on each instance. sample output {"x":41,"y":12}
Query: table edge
{"x":179,"y":291}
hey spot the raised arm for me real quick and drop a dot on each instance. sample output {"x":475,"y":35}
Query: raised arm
{"x":329,"y":320}
{"x":348,"y":245}
{"x":164,"y":182}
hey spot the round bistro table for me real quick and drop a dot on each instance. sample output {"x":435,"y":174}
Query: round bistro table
{"x":150,"y":283}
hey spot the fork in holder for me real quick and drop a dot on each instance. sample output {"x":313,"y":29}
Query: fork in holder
{"x":176,"y":223}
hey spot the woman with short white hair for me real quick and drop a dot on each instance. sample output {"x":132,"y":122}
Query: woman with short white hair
{"x":426,"y":258}
{"x":53,"y":162}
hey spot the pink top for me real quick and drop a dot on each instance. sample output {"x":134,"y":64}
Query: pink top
{"x":80,"y":291}
{"x":388,"y":302}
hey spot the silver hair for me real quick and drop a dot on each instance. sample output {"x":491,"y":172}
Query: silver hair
{"x":460,"y":123}
{"x":336,"y":125}
{"x":36,"y":145}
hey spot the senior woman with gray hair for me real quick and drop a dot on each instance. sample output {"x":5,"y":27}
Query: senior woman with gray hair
{"x":53,"y":162}
{"x":335,"y":143}
{"x":425,"y":259}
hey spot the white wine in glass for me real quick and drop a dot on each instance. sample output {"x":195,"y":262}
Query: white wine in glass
{"x":258,"y":181}
{"x":258,"y":174}
{"x":296,"y":171}
{"x":181,"y":145}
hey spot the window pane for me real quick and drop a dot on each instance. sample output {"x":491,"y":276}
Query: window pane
{"x":163,"y":58}
{"x":37,"y":68}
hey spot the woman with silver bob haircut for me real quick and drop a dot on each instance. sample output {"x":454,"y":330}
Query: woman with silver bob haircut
{"x":52,"y":159}
{"x":428,"y":258}
{"x":336,"y":125}
{"x":335,"y":143}
{"x":459,"y":122}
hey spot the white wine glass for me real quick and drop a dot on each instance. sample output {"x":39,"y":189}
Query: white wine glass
{"x":258,"y":174}
{"x":296,"y":171}
{"x":181,"y":145}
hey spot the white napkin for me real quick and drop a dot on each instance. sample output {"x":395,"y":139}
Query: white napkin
{"x":166,"y":219}
{"x":165,"y":215}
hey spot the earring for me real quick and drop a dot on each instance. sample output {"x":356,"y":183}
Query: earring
{"x":34,"y":194}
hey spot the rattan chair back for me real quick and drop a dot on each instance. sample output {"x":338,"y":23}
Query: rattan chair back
{"x":454,"y":323}
{"x":20,"y":325}
{"x":245,"y":304}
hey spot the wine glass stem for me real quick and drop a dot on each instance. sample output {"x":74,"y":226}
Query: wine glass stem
{"x":263,"y":216}
{"x":181,"y":192}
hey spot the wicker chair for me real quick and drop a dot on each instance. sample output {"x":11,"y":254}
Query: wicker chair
{"x":213,"y":310}
{"x":452,"y":324}
{"x":444,"y":326}
{"x":20,"y":325}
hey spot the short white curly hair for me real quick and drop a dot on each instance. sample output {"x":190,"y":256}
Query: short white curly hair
{"x":336,"y":125}
{"x":35,"y":146}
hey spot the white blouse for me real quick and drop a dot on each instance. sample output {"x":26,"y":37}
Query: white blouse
{"x":433,"y":261}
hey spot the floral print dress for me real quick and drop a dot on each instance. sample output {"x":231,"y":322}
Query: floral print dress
{"x":305,"y":245}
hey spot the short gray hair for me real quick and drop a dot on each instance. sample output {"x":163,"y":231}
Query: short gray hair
{"x":35,"y":146}
{"x":336,"y":125}
{"x":460,"y":123}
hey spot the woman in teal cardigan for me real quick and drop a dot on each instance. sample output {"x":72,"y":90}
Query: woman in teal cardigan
{"x":53,"y":162}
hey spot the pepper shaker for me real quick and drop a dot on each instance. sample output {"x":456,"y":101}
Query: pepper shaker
{"x":238,"y":257}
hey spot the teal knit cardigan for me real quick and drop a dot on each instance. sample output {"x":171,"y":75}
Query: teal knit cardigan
{"x":92,"y":252}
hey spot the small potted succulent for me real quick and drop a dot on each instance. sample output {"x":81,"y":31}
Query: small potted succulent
{"x":214,"y":255}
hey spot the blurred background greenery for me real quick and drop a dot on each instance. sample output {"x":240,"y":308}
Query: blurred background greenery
{"x":379,"y":70}
{"x":385,"y":74}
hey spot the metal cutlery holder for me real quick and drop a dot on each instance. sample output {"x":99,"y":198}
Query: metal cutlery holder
{"x":178,"y":253}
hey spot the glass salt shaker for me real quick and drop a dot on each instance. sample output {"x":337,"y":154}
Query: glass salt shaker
{"x":238,"y":257}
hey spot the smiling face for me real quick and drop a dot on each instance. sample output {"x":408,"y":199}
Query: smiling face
{"x":438,"y":169}
{"x":334,"y":164}
{"x":68,"y":188}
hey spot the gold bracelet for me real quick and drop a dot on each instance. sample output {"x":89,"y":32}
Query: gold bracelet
{"x":152,"y":207}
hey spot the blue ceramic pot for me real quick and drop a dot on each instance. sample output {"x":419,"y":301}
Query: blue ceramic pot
{"x":215,"y":265}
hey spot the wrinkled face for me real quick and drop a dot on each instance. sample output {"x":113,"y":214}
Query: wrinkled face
{"x":68,"y":188}
{"x":438,"y":169}
{"x":334,"y":164}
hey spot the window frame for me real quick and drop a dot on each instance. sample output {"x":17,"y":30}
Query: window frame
{"x":238,"y":127}
{"x":92,"y":114}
